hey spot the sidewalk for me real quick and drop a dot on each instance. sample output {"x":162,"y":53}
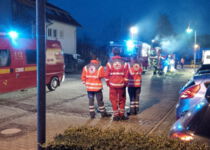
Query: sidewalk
{"x":57,"y":123}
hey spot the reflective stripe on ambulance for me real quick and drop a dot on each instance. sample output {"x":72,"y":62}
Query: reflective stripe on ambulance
{"x":4,"y":71}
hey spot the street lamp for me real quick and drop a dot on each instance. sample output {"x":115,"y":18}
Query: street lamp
{"x":133,"y":31}
{"x":196,"y":46}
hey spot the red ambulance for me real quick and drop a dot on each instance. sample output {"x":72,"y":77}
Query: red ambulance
{"x":18,"y":64}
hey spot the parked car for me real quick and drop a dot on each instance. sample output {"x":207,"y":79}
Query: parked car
{"x":192,"y":110}
{"x":204,"y":69}
{"x":70,"y":63}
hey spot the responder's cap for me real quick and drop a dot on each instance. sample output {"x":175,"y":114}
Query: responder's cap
{"x":116,"y":51}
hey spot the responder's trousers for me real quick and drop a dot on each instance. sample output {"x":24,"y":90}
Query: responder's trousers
{"x":118,"y":97}
{"x":134,"y":93}
{"x":99,"y":98}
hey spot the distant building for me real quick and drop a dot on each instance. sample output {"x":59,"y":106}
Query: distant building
{"x":204,"y":44}
{"x":20,"y":15}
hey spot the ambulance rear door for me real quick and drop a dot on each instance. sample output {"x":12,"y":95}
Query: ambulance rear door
{"x":7,"y":76}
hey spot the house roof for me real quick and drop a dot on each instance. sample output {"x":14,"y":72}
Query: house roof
{"x":60,"y":15}
{"x":54,"y":13}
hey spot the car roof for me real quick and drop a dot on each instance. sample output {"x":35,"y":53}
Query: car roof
{"x":205,"y":67}
{"x":201,"y":77}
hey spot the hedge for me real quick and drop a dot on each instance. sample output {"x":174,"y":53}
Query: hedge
{"x":91,"y":138}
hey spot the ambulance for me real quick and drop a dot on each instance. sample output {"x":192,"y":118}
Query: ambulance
{"x":18,"y":63}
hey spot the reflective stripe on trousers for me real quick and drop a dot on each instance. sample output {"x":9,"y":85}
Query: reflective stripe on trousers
{"x":99,"y":98}
{"x":134,"y":94}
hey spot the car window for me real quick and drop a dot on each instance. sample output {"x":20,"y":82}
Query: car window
{"x":4,"y":58}
{"x":31,"y":56}
{"x":203,"y":71}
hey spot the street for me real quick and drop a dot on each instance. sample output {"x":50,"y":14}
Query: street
{"x":68,"y":106}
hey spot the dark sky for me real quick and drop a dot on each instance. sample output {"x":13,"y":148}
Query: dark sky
{"x":98,"y":16}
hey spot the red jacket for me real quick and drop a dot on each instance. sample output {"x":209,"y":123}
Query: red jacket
{"x":116,"y":72}
{"x":92,"y":75}
{"x":134,"y":75}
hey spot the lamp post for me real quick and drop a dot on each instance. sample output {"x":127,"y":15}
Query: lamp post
{"x":196,"y":46}
{"x":133,"y":31}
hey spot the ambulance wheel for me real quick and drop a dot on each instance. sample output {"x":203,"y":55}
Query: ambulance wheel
{"x":53,"y":84}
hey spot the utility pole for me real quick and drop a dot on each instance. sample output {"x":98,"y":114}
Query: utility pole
{"x":195,"y":47}
{"x":41,"y":55}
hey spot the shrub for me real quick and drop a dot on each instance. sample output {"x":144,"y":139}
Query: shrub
{"x":91,"y":138}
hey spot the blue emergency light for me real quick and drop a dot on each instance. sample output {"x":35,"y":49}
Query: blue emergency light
{"x":130,"y":47}
{"x":13,"y":34}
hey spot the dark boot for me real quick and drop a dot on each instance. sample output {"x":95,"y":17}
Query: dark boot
{"x":132,"y":111}
{"x":116,"y":118}
{"x":92,"y":115}
{"x":136,"y":110}
{"x":124,"y":118}
{"x":105,"y":114}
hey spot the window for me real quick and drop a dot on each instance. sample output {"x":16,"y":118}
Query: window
{"x":31,"y":56}
{"x":61,"y":34}
{"x":55,"y":33}
{"x":49,"y":32}
{"x":4,"y":58}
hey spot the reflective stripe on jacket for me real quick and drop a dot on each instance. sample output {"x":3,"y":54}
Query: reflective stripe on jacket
{"x":92,"y":75}
{"x":116,"y":72}
{"x":134,"y":75}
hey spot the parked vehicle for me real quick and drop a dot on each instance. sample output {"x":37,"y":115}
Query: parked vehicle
{"x":79,"y":59}
{"x":204,"y":69}
{"x":206,"y":56}
{"x":18,"y":64}
{"x":192,"y":110}
{"x":71,"y":64}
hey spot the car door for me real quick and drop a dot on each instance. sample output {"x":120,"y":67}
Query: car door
{"x":30,"y":67}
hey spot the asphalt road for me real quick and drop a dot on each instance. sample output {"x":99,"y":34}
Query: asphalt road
{"x":154,"y":90}
{"x":68,"y":106}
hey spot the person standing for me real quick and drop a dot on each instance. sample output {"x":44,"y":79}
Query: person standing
{"x":182,"y":63}
{"x":91,"y":77}
{"x":134,"y":84}
{"x":116,"y":79}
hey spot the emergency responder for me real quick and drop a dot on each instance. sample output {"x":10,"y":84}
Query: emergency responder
{"x":134,"y":83}
{"x":182,"y":63}
{"x":91,"y":77}
{"x":116,"y":79}
{"x":155,"y":65}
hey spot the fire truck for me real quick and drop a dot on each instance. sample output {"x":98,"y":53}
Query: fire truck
{"x":131,"y":47}
{"x":18,"y":63}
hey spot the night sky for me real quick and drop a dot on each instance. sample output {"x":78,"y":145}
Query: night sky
{"x":96,"y":16}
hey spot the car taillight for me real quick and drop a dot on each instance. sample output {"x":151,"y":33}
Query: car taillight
{"x":183,"y":136}
{"x":190,"y":92}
